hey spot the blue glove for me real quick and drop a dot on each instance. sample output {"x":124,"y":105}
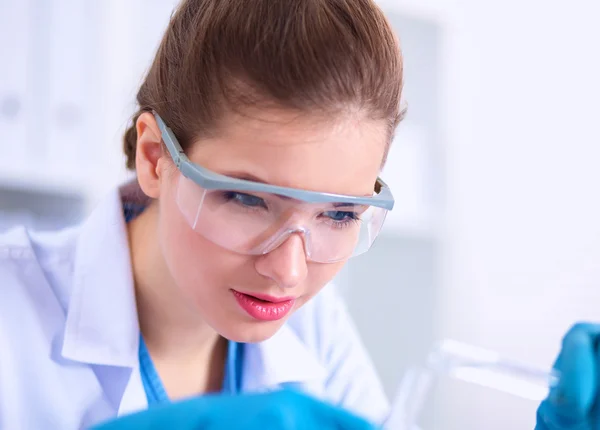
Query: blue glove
{"x":572,"y":404}
{"x":289,"y":410}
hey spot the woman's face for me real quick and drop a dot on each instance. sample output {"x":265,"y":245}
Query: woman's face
{"x":336,"y":155}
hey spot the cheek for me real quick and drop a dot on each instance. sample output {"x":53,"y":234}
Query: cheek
{"x":194,"y":262}
{"x":319,"y":275}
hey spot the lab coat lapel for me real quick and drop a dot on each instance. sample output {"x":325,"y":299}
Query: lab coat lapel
{"x":102,"y":325}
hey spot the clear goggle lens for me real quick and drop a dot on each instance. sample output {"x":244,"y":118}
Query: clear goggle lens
{"x":257,"y":223}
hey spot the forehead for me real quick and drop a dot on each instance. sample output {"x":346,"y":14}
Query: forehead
{"x":340,"y":154}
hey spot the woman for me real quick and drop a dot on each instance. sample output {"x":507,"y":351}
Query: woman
{"x":261,"y":130}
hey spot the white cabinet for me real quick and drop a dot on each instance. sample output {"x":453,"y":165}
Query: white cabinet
{"x":67,"y":87}
{"x":44,"y":105}
{"x":15,"y":66}
{"x":70,"y":58}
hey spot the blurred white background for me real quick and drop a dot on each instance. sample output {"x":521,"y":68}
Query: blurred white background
{"x":495,"y":239}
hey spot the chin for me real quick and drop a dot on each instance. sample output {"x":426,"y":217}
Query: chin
{"x":254,"y":332}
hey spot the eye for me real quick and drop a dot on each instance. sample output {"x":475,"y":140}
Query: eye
{"x":245,"y":199}
{"x":340,"y":216}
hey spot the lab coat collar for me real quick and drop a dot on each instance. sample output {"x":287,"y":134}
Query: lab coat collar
{"x":102,"y":325}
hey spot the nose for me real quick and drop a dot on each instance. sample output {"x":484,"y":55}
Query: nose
{"x":286,"y":264}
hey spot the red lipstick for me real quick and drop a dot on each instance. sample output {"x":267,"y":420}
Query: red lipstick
{"x":264,"y":307}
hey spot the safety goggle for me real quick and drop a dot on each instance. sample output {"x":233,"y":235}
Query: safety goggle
{"x":254,"y":218}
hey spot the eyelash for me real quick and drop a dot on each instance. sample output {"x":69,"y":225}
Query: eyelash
{"x":235,"y":197}
{"x":350,"y":218}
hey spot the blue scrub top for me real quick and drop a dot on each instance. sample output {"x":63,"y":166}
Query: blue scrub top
{"x":153,"y":386}
{"x":155,"y":391}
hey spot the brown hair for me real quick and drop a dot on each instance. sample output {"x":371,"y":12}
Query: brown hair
{"x":322,"y":56}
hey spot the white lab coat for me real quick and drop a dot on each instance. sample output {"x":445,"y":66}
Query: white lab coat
{"x":69,"y":334}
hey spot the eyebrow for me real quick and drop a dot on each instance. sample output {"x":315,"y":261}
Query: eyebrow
{"x":245,"y":177}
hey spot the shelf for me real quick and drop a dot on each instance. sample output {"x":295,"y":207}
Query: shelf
{"x":46,"y":180}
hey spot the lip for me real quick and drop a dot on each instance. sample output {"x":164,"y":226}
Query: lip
{"x":264,"y":307}
{"x":268,"y":298}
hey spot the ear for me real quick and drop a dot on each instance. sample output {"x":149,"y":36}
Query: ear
{"x":148,"y":155}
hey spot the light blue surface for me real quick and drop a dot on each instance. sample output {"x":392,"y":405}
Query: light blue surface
{"x":278,"y":410}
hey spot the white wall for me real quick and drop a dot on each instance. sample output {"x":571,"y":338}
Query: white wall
{"x":523,"y":245}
